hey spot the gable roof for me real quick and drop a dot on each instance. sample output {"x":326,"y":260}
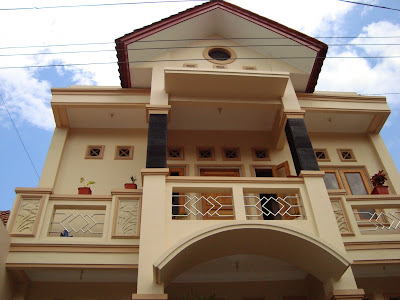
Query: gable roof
{"x":122,"y":43}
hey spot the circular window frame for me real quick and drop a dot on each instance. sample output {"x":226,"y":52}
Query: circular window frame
{"x":232,"y":55}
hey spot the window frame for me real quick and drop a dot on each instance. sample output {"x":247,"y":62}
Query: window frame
{"x":342,"y":159}
{"x":89,"y":147}
{"x":181,"y":156}
{"x":118,"y":157}
{"x":327,"y":158}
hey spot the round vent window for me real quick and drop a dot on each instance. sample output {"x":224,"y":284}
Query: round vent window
{"x":219,"y":55}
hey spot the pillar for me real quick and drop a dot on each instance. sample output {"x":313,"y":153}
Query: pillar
{"x":53,"y":159}
{"x":328,"y":230}
{"x":152,"y":232}
{"x":300,"y":145}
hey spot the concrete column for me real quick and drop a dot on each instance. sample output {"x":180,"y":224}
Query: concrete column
{"x":152,"y":232}
{"x":386,"y":161}
{"x":300,"y":145}
{"x":356,"y":294}
{"x":327,"y":227}
{"x":53,"y":159}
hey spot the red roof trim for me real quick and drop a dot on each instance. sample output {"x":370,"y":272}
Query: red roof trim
{"x":4,"y":215}
{"x":314,"y":44}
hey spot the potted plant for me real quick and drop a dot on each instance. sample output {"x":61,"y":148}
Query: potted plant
{"x":85,"y":190}
{"x":131,"y":185}
{"x":378,"y":181}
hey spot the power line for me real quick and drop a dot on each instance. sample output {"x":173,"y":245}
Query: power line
{"x":371,"y":5}
{"x":193,"y":59}
{"x":182,"y":40}
{"x":19,"y":136}
{"x":99,"y":4}
{"x":178,"y":47}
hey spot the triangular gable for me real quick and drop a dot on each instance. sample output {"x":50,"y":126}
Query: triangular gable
{"x":293,"y":35}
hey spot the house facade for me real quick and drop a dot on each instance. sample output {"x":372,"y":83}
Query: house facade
{"x":250,"y":185}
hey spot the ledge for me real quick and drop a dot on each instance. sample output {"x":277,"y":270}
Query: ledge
{"x":206,"y":179}
{"x":22,"y":190}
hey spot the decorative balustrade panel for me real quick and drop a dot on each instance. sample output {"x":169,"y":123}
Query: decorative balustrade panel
{"x":27,"y":216}
{"x":208,"y":206}
{"x":127,"y":218}
{"x":341,"y":217}
{"x":76,"y":222}
{"x":272,"y":207}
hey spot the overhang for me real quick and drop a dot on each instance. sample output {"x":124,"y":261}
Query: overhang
{"x":225,"y":84}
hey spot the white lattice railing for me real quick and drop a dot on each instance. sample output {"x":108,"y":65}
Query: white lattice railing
{"x":204,"y":206}
{"x":75,"y":223}
{"x":269,"y":207}
{"x":371,"y":220}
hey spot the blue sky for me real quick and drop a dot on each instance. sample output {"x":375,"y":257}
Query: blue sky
{"x":27,"y":91}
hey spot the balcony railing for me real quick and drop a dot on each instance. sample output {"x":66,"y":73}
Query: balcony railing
{"x":367,"y":214}
{"x":202,"y":198}
{"x":40,"y":215}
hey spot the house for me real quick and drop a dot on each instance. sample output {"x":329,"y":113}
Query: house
{"x":251,"y":185}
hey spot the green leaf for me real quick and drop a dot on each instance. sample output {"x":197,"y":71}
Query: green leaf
{"x":90,"y":182}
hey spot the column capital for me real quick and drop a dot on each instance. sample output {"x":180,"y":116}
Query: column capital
{"x":294,"y":113}
{"x":357,"y":294}
{"x":157,"y":110}
{"x":149,"y":296}
{"x":306,"y":173}
{"x":154,"y":171}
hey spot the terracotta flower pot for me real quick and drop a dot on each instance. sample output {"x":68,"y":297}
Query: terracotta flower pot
{"x":380,"y":190}
{"x":84,"y":190}
{"x":131,"y":186}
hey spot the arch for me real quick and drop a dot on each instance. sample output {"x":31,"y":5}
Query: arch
{"x":308,"y":253}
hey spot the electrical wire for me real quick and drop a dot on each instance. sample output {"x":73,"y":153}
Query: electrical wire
{"x":177,"y":47}
{"x":19,"y":136}
{"x":99,"y":4}
{"x":193,"y":59}
{"x":371,"y":5}
{"x":182,"y":40}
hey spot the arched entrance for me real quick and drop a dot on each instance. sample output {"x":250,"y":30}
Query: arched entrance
{"x":306,"y":252}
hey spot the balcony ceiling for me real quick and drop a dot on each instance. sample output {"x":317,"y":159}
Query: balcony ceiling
{"x":221,"y":116}
{"x":242,"y":268}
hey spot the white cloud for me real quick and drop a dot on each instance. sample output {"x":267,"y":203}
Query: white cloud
{"x":361,"y":75}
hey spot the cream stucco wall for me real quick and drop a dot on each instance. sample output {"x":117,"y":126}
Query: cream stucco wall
{"x":108,"y":173}
{"x":81,"y":291}
{"x":5,"y":280}
{"x":193,"y":54}
{"x":244,"y":140}
{"x":361,"y":145}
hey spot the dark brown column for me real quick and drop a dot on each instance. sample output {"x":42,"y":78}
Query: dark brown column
{"x":157,"y":141}
{"x":300,"y":145}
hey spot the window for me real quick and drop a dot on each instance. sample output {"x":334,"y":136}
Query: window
{"x":219,"y":55}
{"x":94,"y":152}
{"x":175,"y":153}
{"x":321,"y":155}
{"x":123,"y":152}
{"x":205,"y":153}
{"x":260,"y":154}
{"x":231,"y":154}
{"x":346,"y":155}
{"x":354,"y":180}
